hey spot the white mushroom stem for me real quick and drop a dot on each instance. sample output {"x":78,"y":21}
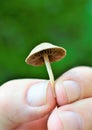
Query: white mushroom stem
{"x":49,"y":70}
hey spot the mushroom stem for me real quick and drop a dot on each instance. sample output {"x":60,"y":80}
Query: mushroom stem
{"x":50,"y":73}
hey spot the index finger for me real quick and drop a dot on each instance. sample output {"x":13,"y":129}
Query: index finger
{"x":75,"y":84}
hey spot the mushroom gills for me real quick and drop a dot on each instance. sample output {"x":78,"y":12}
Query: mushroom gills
{"x":37,"y":58}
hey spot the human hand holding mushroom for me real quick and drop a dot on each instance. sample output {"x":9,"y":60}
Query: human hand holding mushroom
{"x":29,"y":104}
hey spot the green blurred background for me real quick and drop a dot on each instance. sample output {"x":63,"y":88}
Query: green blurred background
{"x":26,"y":23}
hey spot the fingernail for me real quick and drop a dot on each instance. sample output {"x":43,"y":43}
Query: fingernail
{"x":70,"y":120}
{"x":36,"y":95}
{"x":69,"y":90}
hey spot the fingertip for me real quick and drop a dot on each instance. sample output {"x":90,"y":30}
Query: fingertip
{"x":64,"y":120}
{"x":74,"y":85}
{"x":67,"y":91}
{"x":54,"y":123}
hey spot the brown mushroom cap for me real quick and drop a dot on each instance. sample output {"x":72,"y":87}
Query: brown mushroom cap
{"x":54,"y":53}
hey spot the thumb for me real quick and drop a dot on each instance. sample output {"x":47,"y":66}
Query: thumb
{"x":24,"y":100}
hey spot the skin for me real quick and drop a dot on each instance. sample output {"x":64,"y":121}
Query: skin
{"x":18,"y":111}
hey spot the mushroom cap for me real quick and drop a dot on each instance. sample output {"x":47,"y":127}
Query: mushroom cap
{"x":54,"y":53}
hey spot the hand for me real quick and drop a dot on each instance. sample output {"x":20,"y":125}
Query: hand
{"x":28,"y":104}
{"x":74,"y":98}
{"x":25,"y":104}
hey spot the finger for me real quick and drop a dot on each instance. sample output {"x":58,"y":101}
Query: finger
{"x":75,"y":116}
{"x":74,"y":85}
{"x":24,"y":100}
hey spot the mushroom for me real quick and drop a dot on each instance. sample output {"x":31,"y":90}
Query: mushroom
{"x":45,"y":53}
